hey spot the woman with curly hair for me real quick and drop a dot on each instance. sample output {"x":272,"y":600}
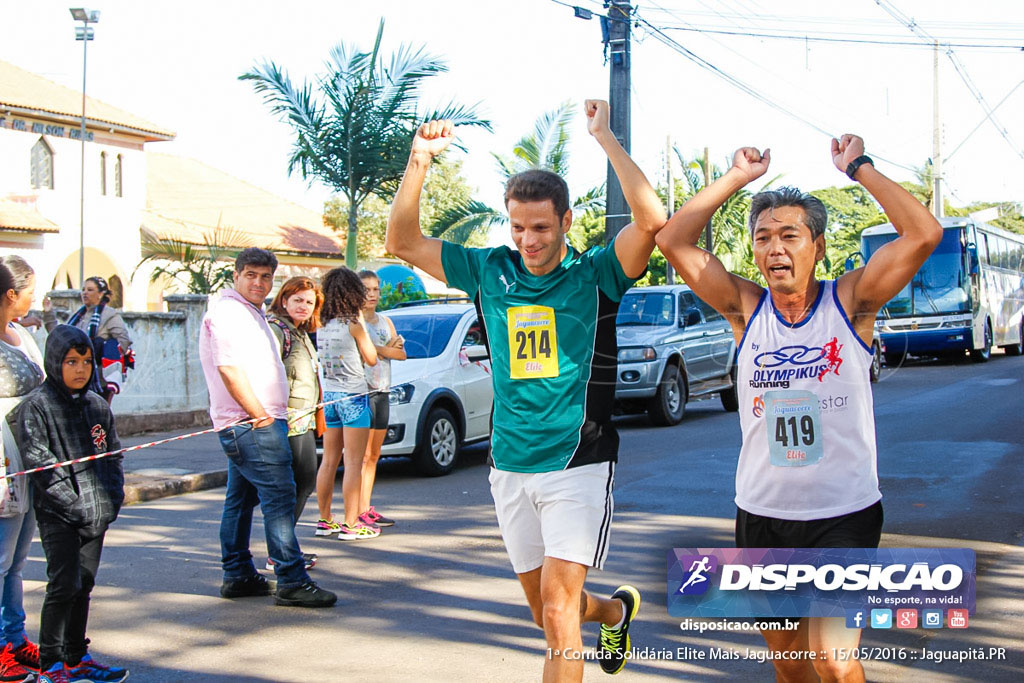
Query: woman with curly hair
{"x":294,"y":313}
{"x":345,"y":347}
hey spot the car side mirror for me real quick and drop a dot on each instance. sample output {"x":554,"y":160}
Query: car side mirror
{"x":477,"y":352}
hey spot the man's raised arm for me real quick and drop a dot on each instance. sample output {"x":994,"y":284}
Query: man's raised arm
{"x":633,"y":246}
{"x":699,"y":268}
{"x":865,"y":290}
{"x":404,"y":238}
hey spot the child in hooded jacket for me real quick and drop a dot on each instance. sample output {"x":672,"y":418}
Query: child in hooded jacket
{"x":58,"y":421}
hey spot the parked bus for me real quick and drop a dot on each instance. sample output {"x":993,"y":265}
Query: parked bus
{"x":968,"y":295}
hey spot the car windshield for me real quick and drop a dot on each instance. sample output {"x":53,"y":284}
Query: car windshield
{"x":426,"y":335}
{"x":938,"y":287}
{"x":646,"y":308}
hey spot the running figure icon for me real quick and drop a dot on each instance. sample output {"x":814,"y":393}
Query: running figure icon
{"x":697,"y":570}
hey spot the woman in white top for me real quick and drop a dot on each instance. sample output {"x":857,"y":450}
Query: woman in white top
{"x":21,"y":370}
{"x":344,"y":348}
{"x":390,"y":346}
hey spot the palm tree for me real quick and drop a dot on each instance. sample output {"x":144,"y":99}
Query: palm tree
{"x":730,"y":236}
{"x":354,"y":133}
{"x":547,"y":147}
{"x":203,"y":269}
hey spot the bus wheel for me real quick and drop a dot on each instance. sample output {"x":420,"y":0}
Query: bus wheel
{"x":985,"y":352}
{"x":1018,"y":348}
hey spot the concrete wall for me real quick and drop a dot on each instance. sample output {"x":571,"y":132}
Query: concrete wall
{"x":167,"y":389}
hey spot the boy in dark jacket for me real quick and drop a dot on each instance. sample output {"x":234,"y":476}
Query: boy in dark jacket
{"x":61,"y":420}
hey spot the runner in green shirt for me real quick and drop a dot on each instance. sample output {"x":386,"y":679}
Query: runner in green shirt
{"x":549,"y":313}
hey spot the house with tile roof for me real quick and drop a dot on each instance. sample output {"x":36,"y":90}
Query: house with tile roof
{"x":131,"y":195}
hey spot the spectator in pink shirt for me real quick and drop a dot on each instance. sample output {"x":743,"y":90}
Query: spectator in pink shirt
{"x":247,"y":385}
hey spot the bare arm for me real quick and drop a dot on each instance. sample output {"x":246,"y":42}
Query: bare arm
{"x":405,"y":239}
{"x":865,"y":290}
{"x":729,"y":294}
{"x":634,"y":244}
{"x":363,"y":342}
{"x":237,"y":384}
{"x":395,"y":349}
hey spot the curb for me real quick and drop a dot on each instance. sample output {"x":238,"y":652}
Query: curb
{"x":141,"y":488}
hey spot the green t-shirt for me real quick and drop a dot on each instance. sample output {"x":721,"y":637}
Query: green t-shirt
{"x":553,"y":353}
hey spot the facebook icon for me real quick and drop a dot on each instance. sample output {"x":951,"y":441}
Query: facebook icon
{"x":855,"y":618}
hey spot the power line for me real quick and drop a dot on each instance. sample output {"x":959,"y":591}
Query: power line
{"x":822,"y":39}
{"x":749,"y":90}
{"x":961,"y":71}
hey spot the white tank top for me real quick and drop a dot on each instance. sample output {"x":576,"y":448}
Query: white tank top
{"x":807,"y":414}
{"x":378,"y":377}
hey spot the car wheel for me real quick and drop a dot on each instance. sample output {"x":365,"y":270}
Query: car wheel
{"x":1018,"y":348}
{"x":438,"y":446}
{"x":667,"y":406}
{"x":985,"y":352}
{"x":876,"y":362}
{"x":730,"y":397}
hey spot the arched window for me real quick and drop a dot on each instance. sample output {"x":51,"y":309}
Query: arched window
{"x":103,"y":173}
{"x":118,"y":169}
{"x":42,"y":165}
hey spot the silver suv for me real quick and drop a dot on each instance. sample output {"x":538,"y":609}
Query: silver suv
{"x":672,"y":347}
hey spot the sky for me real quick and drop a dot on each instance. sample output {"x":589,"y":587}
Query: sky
{"x":177,"y":64}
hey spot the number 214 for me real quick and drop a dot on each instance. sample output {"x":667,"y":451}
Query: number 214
{"x":543,"y":347}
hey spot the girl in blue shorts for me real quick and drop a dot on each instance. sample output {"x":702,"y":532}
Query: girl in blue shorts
{"x":345,"y":347}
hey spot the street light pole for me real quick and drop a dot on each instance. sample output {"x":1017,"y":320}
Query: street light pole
{"x":83,"y":33}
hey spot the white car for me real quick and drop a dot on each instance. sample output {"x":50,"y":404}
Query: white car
{"x":441,"y":396}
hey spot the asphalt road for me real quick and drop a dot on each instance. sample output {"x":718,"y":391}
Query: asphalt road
{"x":433,"y":599}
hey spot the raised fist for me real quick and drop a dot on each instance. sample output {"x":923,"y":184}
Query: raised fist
{"x":597,"y":116}
{"x":845,"y":150}
{"x":433,"y":137}
{"x":751,"y":162}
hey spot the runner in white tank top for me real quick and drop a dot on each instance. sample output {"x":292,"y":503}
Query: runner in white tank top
{"x":807,"y":474}
{"x":806,"y":414}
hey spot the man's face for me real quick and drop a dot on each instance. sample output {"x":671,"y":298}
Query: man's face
{"x":76,"y":370}
{"x":784,"y":250}
{"x":254,"y":283}
{"x":539,"y":234}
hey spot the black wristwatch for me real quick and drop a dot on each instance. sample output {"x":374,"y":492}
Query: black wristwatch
{"x":851,"y":170}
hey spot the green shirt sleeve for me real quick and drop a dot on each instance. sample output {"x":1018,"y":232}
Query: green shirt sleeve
{"x":462,"y":266}
{"x":611,"y":279}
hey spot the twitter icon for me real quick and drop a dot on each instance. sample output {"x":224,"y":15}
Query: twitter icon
{"x":881,"y":618}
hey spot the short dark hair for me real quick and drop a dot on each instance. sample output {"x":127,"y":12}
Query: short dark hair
{"x":15,"y":273}
{"x":538,"y":185}
{"x":344,"y":295}
{"x":254,"y":256}
{"x":81,"y":349}
{"x":815,"y":213}
{"x":366,"y":273}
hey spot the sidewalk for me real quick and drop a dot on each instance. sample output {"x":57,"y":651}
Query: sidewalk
{"x":192,"y":464}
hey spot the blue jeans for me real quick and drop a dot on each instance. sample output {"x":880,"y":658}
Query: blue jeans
{"x":15,"y":539}
{"x":260,"y":471}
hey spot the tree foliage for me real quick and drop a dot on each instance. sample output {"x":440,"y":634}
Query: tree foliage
{"x":445,"y":192}
{"x":202,"y":269}
{"x":354,"y":127}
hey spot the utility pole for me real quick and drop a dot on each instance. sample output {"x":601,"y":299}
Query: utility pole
{"x":670,"y":272}
{"x":707,"y":181}
{"x":617,"y":212}
{"x":936,"y":138}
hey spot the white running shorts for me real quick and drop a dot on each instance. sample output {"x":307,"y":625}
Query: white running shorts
{"x":566,"y":514}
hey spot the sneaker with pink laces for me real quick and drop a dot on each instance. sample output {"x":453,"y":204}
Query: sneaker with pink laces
{"x":371,"y":516}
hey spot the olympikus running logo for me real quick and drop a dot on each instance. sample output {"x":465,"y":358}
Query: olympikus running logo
{"x":803,"y":361}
